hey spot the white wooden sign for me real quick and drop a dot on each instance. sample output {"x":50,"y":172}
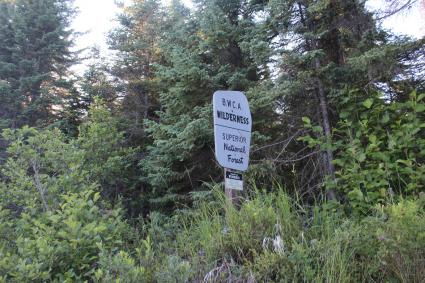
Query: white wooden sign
{"x":232,"y":129}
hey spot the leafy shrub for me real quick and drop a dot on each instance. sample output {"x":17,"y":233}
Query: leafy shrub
{"x":175,"y":270}
{"x":63,"y":244}
{"x":41,"y":166}
{"x":383,"y":150}
{"x":379,"y":147}
{"x":120,"y":267}
{"x":104,"y":155}
{"x":44,"y":164}
{"x":269,"y":239}
{"x":318,"y":252}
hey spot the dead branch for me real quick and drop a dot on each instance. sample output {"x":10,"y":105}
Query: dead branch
{"x":38,"y":185}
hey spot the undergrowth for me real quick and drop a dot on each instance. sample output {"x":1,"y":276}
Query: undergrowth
{"x":269,"y":238}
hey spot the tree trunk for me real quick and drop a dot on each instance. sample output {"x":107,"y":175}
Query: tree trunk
{"x":146,"y":106}
{"x":330,"y":169}
{"x":323,"y":105}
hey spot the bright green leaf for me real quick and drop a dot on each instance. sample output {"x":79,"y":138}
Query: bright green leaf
{"x":368,"y":103}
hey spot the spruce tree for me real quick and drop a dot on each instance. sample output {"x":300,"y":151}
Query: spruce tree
{"x":34,"y":59}
{"x":9,"y":73}
{"x":205,"y":51}
{"x":136,"y":42}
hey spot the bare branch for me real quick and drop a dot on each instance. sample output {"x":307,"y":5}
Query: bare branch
{"x":395,"y":6}
{"x":38,"y":184}
{"x":286,"y":142}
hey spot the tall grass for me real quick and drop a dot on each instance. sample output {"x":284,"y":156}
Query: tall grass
{"x":272,"y":238}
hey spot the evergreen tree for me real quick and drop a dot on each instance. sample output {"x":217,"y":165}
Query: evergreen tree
{"x":292,"y":58}
{"x":96,"y":81}
{"x":9,"y":73}
{"x":205,"y":52}
{"x":34,"y":59}
{"x":325,"y":48}
{"x":136,"y":41}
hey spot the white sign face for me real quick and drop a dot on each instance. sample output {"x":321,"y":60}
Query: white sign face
{"x":233,"y":181}
{"x":232,"y":129}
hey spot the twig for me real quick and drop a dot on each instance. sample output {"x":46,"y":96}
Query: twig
{"x":286,"y":141}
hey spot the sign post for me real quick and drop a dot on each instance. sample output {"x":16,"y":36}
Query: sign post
{"x":232,"y":137}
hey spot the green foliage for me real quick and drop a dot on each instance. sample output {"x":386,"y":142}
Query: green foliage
{"x":62,"y":245}
{"x":381,"y":150}
{"x":147,"y":146}
{"x":138,"y":42}
{"x":241,"y":232}
{"x":119,"y":267}
{"x":203,"y":52}
{"x":282,"y":54}
{"x":392,"y":242}
{"x":34,"y":58}
{"x":41,"y":166}
{"x":323,"y":48}
{"x":104,"y":154}
{"x":175,"y":270}
{"x":272,"y":239}
{"x":327,"y":246}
